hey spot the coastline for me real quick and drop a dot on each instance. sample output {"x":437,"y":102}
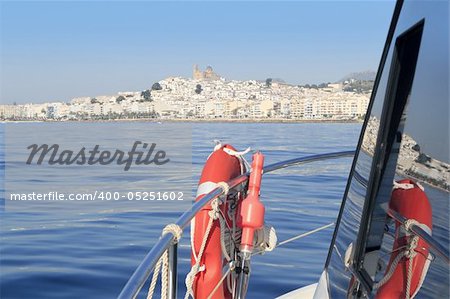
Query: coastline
{"x":191,"y":120}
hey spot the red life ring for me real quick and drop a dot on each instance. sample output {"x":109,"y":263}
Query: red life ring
{"x":220,"y":167}
{"x":411,"y":202}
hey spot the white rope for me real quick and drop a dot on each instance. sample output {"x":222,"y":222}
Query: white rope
{"x":238,"y":154}
{"x":409,"y":223}
{"x":233,"y":238}
{"x":407,"y":186}
{"x":229,"y":240}
{"x":163,"y":263}
{"x":410,"y":253}
{"x":408,"y":279}
{"x":265,"y":239}
{"x":225,"y":187}
{"x":165,"y":275}
{"x":390,"y":271}
{"x":196,"y":268}
{"x":229,"y":151}
{"x":227,"y":243}
{"x":218,"y":145}
{"x":173,"y":229}
{"x":213,"y":215}
{"x":151,"y":289}
{"x":223,"y":227}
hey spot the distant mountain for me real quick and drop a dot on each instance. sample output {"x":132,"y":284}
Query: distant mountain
{"x":278,"y":80}
{"x":274,"y":80}
{"x":363,"y":76}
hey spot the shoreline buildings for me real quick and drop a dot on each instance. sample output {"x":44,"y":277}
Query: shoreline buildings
{"x":206,"y":96}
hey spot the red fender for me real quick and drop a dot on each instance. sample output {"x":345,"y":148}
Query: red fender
{"x":412,"y":204}
{"x":220,"y":167}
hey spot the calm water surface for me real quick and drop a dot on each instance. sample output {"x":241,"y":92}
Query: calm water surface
{"x":67,"y":251}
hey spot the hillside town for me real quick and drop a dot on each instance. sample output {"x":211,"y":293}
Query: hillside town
{"x":208,"y":96}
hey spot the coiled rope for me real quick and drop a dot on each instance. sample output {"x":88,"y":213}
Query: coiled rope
{"x":213,"y":215}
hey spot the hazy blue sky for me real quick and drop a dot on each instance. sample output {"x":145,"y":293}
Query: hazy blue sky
{"x":60,"y":50}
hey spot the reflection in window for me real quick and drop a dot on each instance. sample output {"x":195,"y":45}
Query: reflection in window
{"x":413,"y":161}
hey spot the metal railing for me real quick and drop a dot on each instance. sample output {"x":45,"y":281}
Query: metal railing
{"x":143,"y":271}
{"x":166,"y":242}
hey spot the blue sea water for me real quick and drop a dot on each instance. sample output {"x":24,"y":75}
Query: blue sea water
{"x":90,"y":250}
